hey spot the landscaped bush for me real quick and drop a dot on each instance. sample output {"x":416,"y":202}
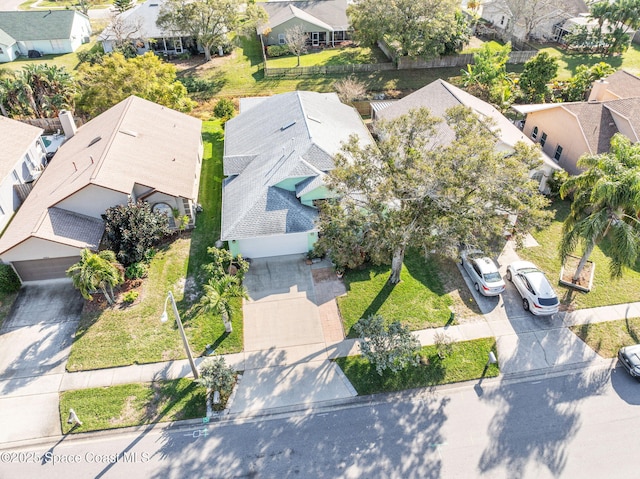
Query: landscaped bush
{"x":130,"y":296}
{"x":136,"y":271}
{"x":198,"y":85}
{"x":224,"y":109}
{"x":9,"y":281}
{"x":277,"y":50}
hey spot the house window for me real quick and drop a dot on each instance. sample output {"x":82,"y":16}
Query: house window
{"x":502,"y":20}
{"x":558,"y":153}
{"x":543,"y":139}
{"x":16,"y":178}
{"x":281,"y":39}
{"x":534,"y":132}
{"x":1,"y":51}
{"x":28,"y":159}
{"x":167,"y":211}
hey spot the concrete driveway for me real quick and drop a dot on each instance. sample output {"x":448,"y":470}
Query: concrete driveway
{"x":527,"y":342}
{"x":34,"y":346}
{"x":288,"y":338}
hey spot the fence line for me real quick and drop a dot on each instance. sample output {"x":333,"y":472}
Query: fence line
{"x":327,"y":70}
{"x":50,"y":125}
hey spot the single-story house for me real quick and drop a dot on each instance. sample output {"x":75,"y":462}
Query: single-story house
{"x":325,"y":21}
{"x":136,"y":150}
{"x":21,"y":162}
{"x":138,"y":25}
{"x":540,"y":18}
{"x":439,"y":96}
{"x":49,"y":32}
{"x":277,"y":152}
{"x":566,"y":131}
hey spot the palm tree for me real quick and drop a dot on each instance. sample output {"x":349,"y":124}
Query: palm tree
{"x":218,"y":293}
{"x":96,"y":271}
{"x":606,"y":204}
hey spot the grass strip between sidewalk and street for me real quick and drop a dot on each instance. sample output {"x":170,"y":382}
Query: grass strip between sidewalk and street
{"x":133,"y":405}
{"x":608,"y":337}
{"x":466,"y":362}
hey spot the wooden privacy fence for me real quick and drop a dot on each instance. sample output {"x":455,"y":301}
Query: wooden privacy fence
{"x":327,"y":70}
{"x":50,"y":125}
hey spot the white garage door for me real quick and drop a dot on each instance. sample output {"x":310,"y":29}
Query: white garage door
{"x":274,"y":245}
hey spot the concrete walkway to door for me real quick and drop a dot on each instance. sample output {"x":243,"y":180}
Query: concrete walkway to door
{"x":289,"y":330}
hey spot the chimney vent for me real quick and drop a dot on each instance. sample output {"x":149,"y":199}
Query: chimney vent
{"x":68,"y":125}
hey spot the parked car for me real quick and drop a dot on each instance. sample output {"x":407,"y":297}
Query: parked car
{"x":483,"y":272}
{"x":538,"y":296}
{"x":629,"y":357}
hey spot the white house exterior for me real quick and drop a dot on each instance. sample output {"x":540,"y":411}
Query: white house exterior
{"x":277,"y":152}
{"x":50,"y":32}
{"x":22,"y":158}
{"x":136,"y":150}
{"x":139,"y":26}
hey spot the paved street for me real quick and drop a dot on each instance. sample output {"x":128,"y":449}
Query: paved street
{"x":574,"y":425}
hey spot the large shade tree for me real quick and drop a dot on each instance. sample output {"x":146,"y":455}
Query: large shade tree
{"x":413,"y":28}
{"x":116,"y":78}
{"x":606,"y":205}
{"x":413,"y":190}
{"x":210,"y":21}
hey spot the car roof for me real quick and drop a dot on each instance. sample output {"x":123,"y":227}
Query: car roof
{"x":486,"y":265}
{"x":540,"y":283}
{"x":632,"y":353}
{"x":518,"y":265}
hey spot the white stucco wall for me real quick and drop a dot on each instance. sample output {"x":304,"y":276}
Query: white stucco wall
{"x":36,"y":248}
{"x":93,"y":201}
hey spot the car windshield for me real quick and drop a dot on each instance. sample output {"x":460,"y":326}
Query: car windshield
{"x":548,"y":301}
{"x":492,"y":277}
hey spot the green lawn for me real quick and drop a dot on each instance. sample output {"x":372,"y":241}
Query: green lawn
{"x":568,"y":62}
{"x":241,"y":74}
{"x":608,"y":337}
{"x":133,"y":405}
{"x":605,"y":290}
{"x":418,"y":301}
{"x":347,"y":55}
{"x":134,"y":334}
{"x":467,"y":362}
{"x":68,"y":60}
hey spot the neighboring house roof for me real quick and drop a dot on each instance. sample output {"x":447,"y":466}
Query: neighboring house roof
{"x":6,"y":39}
{"x":327,"y":14}
{"x":140,"y":22}
{"x":623,"y":84}
{"x":21,"y":136}
{"x":596,"y":122}
{"x":287,"y":137}
{"x":134,"y":142}
{"x":439,"y":96}
{"x":39,"y":25}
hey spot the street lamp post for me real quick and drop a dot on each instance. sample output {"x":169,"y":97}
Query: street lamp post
{"x":165,"y":317}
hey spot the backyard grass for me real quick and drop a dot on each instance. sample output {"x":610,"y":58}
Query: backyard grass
{"x":568,"y":62}
{"x":605,"y":290}
{"x":418,"y":301}
{"x":607,"y":337}
{"x":466,"y":362}
{"x":347,"y":55}
{"x":68,"y":60}
{"x":126,"y":335}
{"x":133,"y":405}
{"x":240,"y":74}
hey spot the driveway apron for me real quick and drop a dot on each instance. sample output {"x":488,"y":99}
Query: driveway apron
{"x":286,"y":356}
{"x":35,"y":340}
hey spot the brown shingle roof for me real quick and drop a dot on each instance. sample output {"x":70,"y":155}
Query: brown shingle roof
{"x":134,"y":142}
{"x":17,"y":137}
{"x":596,"y":123}
{"x":628,"y":108}
{"x":623,"y":84}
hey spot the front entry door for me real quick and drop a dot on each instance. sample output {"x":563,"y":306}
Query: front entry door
{"x":315,"y":39}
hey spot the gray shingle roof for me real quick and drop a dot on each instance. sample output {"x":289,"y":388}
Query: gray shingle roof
{"x":333,"y":13}
{"x":142,"y":18}
{"x":596,"y":123}
{"x":290,"y":136}
{"x":72,"y":228}
{"x":38,"y":25}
